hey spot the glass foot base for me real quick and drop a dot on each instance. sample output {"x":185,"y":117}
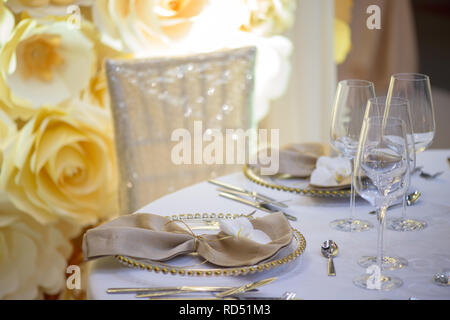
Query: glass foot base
{"x":351,"y":225}
{"x":405,"y":224}
{"x":442,"y":278}
{"x":386,"y":283}
{"x":389,"y":263}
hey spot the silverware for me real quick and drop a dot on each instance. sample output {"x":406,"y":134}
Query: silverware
{"x":429,"y":176}
{"x":224,"y":293}
{"x":252,"y":194}
{"x":411,"y":198}
{"x":257,"y":205}
{"x":329,"y":250}
{"x":240,"y":193}
{"x":185,"y":289}
{"x":285,"y":296}
{"x":161,"y":289}
{"x":245,"y":287}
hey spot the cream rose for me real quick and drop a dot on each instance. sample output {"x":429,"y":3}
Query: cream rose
{"x":269,"y":17}
{"x":61,"y":166}
{"x":45,"y":62}
{"x":33,"y":257}
{"x":155,"y":27}
{"x":6,"y":23}
{"x":8,"y":130}
{"x":44,"y":8}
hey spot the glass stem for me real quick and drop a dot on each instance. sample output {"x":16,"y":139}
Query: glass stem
{"x":381,"y":227}
{"x":404,"y":208}
{"x":352,"y":192}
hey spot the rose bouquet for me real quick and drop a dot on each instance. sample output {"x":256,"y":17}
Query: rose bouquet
{"x":58,"y":171}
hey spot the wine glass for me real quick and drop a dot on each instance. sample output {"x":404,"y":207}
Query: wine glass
{"x":381,"y":176}
{"x":416,"y":89}
{"x":348,"y":114}
{"x":398,"y":108}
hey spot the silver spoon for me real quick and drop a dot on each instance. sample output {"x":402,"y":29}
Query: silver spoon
{"x":411,"y":198}
{"x":329,"y":250}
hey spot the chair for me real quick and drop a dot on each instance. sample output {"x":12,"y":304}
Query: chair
{"x":151,"y":99}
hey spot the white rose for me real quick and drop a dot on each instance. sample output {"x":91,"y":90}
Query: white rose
{"x":33,"y":257}
{"x":45,"y":62}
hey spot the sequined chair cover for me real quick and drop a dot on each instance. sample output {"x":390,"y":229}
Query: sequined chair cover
{"x":151,"y":98}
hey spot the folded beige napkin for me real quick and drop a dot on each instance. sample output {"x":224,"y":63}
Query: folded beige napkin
{"x":298,"y":160}
{"x":149,"y":236}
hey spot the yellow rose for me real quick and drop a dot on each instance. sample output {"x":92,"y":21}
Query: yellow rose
{"x":8,"y":130}
{"x":33,"y":257}
{"x":40,"y":3}
{"x":45,"y":62}
{"x":157,"y":27}
{"x":43,"y":8}
{"x":6,"y":23}
{"x":97,"y":92}
{"x":269,"y":17}
{"x":62,"y":167}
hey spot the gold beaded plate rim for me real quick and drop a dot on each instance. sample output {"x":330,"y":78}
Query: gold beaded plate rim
{"x":323,"y":193}
{"x":298,"y":240}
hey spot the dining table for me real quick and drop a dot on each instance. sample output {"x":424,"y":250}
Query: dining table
{"x":427,"y":251}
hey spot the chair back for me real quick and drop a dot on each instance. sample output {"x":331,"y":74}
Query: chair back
{"x":156,"y":102}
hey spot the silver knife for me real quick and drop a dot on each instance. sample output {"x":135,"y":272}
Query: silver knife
{"x":163,"y":289}
{"x":187,"y":289}
{"x":245,"y":194}
{"x":250,"y":193}
{"x":254,"y":204}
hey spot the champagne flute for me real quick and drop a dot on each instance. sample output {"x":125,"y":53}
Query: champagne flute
{"x":348,"y":114}
{"x":416,"y":89}
{"x":381,"y":176}
{"x":398,"y":108}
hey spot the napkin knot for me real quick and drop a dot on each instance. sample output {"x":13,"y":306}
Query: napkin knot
{"x":197,"y":237}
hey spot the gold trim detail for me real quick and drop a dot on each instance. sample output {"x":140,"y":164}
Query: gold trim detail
{"x":252,"y":176}
{"x":234,"y":271}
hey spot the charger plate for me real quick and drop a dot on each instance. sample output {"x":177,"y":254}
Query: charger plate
{"x":194,"y":265}
{"x":300,"y":186}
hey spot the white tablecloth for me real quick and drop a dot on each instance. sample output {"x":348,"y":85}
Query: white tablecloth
{"x":428,"y":251}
